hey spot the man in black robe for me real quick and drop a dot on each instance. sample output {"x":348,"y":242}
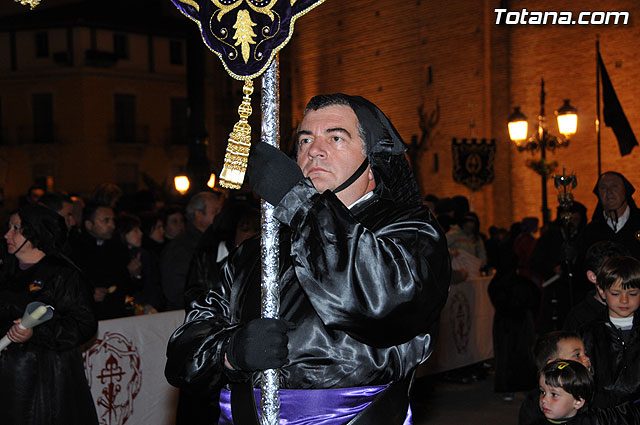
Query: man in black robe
{"x":364,"y":273}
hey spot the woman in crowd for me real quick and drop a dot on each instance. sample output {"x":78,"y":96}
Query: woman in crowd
{"x":152,"y":232}
{"x":41,"y":371}
{"x":149,"y":294}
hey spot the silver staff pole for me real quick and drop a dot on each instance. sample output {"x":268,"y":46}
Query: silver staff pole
{"x":270,"y":242}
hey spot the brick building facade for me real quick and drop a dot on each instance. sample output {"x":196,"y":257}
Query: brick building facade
{"x":404,"y":54}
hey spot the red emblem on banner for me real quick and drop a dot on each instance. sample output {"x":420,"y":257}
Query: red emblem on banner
{"x":461,"y":321}
{"x":113,"y":365}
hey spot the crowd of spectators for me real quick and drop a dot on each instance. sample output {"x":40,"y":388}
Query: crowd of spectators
{"x":139,"y":254}
{"x":550,"y":279}
{"x":135,"y":250}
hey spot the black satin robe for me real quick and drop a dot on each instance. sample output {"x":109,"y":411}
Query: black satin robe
{"x":364,"y":288}
{"x":42,"y":380}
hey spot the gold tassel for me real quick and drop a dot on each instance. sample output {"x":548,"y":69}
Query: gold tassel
{"x":239,"y":143}
{"x":30,"y":3}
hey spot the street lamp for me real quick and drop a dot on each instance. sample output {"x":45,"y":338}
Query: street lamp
{"x":542,"y":140}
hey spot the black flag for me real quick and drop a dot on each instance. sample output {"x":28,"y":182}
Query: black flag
{"x":614,"y":116}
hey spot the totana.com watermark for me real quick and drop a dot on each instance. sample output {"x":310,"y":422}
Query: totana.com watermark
{"x":526,"y":17}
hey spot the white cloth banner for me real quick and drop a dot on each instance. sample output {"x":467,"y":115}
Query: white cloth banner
{"x":125,"y":370}
{"x":466,"y":328}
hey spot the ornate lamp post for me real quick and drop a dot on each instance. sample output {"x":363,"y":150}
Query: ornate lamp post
{"x":542,"y":140}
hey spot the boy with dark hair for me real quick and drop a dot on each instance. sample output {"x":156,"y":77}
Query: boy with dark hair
{"x":593,"y":306}
{"x":613,"y":340}
{"x":565,"y":345}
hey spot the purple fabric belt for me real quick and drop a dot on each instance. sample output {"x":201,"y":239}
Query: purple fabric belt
{"x":314,"y":407}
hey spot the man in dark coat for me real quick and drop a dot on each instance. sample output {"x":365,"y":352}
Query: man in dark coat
{"x":105,"y":263}
{"x":364,"y":273}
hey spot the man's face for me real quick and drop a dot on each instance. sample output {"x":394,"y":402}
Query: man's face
{"x":573,"y":349}
{"x":622,"y":303}
{"x":102,"y":226}
{"x":203,"y":219}
{"x":611,"y":193}
{"x":330,"y":151}
{"x":556,"y":403}
{"x":67,"y":213}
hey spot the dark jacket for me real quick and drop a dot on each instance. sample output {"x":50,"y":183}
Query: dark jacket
{"x":175,"y":262}
{"x":43,"y":380}
{"x":516,"y":300}
{"x":616,"y":364}
{"x":105,"y":266}
{"x":588,"y":310}
{"x":363,"y":287}
{"x":598,"y":230}
{"x":625,"y":414}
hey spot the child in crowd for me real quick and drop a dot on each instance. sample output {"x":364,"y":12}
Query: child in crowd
{"x":556,"y":345}
{"x":566,"y":386}
{"x":613,"y":340}
{"x":593,"y":306}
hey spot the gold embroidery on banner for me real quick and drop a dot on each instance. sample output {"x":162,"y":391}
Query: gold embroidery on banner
{"x":223,"y":33}
{"x":268,"y":35}
{"x":265,"y":10}
{"x":244,"y":35}
{"x":224,"y":9}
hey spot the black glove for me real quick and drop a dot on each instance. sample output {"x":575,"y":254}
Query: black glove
{"x":272,"y":173}
{"x":260,"y":344}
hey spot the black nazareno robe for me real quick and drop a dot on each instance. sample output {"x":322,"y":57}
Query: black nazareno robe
{"x":42,"y":380}
{"x":363,"y":287}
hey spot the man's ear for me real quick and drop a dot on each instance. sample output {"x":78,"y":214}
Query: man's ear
{"x":578,"y":403}
{"x":591,"y":276}
{"x":88,"y":224}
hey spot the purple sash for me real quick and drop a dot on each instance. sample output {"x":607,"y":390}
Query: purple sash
{"x":314,"y":407}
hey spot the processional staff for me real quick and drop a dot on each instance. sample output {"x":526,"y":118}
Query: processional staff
{"x":227,"y":28}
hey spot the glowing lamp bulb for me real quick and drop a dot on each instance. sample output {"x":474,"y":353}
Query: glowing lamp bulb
{"x":181,"y":183}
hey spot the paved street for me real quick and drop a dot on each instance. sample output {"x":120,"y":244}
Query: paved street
{"x":436,"y":401}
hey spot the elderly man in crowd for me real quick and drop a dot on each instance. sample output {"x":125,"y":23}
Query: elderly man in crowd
{"x":176,"y":255}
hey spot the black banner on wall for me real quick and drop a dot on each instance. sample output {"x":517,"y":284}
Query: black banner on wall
{"x":473,"y":161}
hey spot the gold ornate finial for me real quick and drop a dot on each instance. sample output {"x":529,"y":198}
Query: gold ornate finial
{"x":237,"y":156}
{"x":30,"y":3}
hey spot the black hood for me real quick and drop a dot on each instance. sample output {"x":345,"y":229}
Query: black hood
{"x":385,"y":148}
